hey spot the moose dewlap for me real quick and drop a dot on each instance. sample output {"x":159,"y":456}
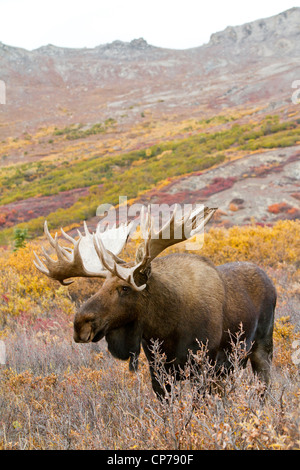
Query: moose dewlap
{"x":181,"y":300}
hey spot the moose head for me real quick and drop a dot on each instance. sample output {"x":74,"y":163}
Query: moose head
{"x":117,"y":309}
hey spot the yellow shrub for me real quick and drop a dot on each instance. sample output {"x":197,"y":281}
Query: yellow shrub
{"x":266,"y":245}
{"x":24,"y":290}
{"x":284,"y":335}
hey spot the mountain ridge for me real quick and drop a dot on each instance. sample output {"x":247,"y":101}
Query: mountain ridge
{"x":241,"y":65}
{"x":233,"y":33}
{"x":85,"y":125}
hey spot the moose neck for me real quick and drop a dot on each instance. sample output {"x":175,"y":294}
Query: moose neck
{"x":161,"y":304}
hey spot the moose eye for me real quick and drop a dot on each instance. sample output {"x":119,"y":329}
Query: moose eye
{"x":125,"y":288}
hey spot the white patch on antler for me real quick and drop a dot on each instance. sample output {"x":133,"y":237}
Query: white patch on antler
{"x":113,"y":239}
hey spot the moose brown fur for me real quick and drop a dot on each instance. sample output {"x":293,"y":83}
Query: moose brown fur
{"x":187,"y":300}
{"x":180,"y":300}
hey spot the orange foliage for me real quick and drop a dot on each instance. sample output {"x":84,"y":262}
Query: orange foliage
{"x":279,"y":207}
{"x":233,"y":207}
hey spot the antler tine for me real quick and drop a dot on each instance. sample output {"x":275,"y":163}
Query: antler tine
{"x":60,"y":251}
{"x":67,"y":251}
{"x":165,"y":237}
{"x":124,"y":273}
{"x":208,"y":213}
{"x":154,"y":242}
{"x":100,"y":250}
{"x":69,"y":262}
{"x":50,"y":269}
{"x":48,"y":235}
{"x":157,"y":241}
{"x":86,"y":230}
{"x":188,"y":221}
{"x":146,"y":222}
{"x":39,"y":265}
{"x":68,"y":237}
{"x":169,"y":223}
{"x":106,"y":256}
{"x":48,"y":259}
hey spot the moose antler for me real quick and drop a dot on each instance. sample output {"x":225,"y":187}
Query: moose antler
{"x":95,"y":255}
{"x":109,"y":262}
{"x":174,"y":231}
{"x":82,"y":260}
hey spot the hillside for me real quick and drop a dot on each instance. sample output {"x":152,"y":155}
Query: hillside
{"x":253,"y":63}
{"x":83,"y":126}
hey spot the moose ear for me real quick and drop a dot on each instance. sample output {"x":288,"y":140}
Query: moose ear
{"x":125,"y":343}
{"x":141,"y":278}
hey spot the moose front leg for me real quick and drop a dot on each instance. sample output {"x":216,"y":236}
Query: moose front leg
{"x":157,"y":385}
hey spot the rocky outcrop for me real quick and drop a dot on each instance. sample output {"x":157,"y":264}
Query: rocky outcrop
{"x":253,"y":63}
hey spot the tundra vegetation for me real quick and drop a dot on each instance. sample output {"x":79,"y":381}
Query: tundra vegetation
{"x":109,"y":174}
{"x":56,"y":394}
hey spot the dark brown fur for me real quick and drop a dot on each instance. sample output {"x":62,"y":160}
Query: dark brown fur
{"x":187,"y":300}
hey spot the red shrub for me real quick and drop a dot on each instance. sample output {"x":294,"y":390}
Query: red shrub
{"x":279,"y":207}
{"x":218,"y":185}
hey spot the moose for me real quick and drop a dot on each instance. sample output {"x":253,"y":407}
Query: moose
{"x":180,"y":299}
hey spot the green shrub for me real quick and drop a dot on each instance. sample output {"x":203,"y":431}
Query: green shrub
{"x":20,"y":236}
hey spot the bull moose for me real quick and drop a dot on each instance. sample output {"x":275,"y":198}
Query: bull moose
{"x":181,"y":300}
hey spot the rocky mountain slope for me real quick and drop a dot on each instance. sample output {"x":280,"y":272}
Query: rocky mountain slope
{"x":214,"y":124}
{"x":253,"y":63}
